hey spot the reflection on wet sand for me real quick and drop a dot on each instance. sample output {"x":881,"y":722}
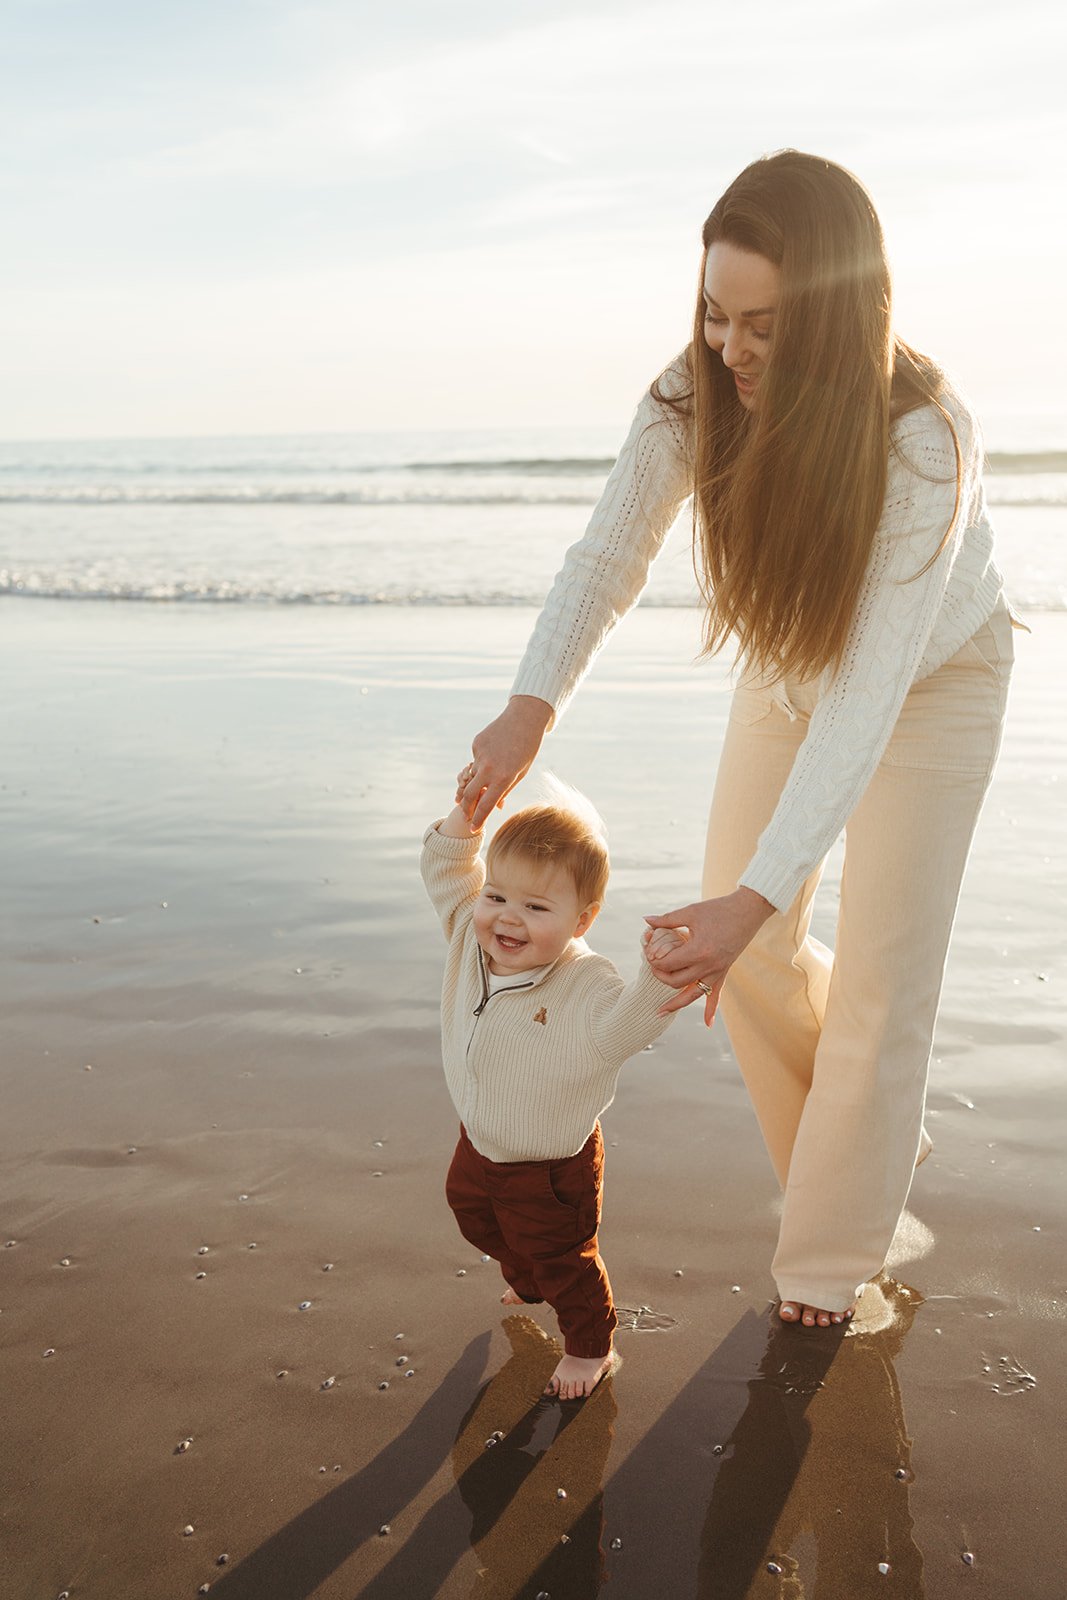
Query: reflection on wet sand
{"x":531,"y":1473}
{"x":811,"y":1499}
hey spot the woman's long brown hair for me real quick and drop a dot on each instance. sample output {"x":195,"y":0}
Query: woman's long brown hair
{"x":787,"y":498}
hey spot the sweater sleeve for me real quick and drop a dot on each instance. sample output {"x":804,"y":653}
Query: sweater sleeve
{"x":453,"y":872}
{"x":623,"y":1016}
{"x":898,"y":603}
{"x":604,"y":573}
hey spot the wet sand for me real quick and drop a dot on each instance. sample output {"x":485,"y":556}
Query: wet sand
{"x":222,"y":1101}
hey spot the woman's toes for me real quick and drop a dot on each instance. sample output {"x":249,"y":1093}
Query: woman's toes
{"x":823,"y":1319}
{"x":789,"y":1311}
{"x":808,"y":1318}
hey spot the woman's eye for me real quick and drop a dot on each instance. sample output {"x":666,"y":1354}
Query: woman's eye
{"x":716,"y":322}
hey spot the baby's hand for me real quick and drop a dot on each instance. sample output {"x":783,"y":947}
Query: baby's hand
{"x":658,"y":941}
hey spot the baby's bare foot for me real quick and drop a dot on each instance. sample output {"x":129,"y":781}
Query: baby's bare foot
{"x":510,"y":1298}
{"x":814,"y":1316}
{"x":577,"y":1376}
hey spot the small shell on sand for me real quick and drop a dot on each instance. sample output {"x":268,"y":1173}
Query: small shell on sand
{"x":561,"y":1494}
{"x":410,"y":1373}
{"x":305,"y":1305}
{"x":222,"y":1560}
{"x":203,"y":1250}
{"x":49,"y":1351}
{"x":462,"y":1273}
{"x":384,"y":1529}
{"x":616,"y":1544}
{"x":283,"y":1373}
{"x":65,"y":1261}
{"x":883,"y":1568}
{"x":182,"y":1446}
{"x":188,"y":1530}
{"x":200,"y":1275}
{"x":328,"y":1383}
{"x":967,"y":1558}
{"x":327,"y":1266}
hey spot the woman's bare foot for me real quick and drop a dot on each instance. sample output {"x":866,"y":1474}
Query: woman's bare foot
{"x":577,"y":1376}
{"x":510,"y":1298}
{"x":814,"y":1316}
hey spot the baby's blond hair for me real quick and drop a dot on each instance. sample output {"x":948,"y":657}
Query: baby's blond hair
{"x":557,"y":836}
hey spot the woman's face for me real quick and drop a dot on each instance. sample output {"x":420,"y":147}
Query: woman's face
{"x":740,"y":297}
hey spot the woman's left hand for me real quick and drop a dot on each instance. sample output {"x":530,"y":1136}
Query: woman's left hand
{"x":718,"y":932}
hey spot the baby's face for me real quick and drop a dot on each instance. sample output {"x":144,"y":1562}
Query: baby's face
{"x":525,"y":917}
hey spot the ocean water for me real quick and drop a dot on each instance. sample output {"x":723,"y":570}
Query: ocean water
{"x":417,"y":519}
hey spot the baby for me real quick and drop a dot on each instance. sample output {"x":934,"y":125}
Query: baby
{"x":535,"y":1028}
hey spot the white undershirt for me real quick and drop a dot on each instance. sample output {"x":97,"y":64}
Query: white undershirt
{"x":513,"y":980}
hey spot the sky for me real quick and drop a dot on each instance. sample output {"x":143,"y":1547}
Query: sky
{"x":251,"y":216}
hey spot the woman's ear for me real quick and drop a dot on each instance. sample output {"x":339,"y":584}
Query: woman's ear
{"x":586,"y":920}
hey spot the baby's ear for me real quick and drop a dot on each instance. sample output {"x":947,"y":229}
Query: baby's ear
{"x":587,"y":918}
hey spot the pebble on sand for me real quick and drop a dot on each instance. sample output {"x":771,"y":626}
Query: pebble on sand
{"x":188,"y":1530}
{"x":203,"y":1250}
{"x":883,"y":1568}
{"x":65,"y":1261}
{"x":616,"y":1544}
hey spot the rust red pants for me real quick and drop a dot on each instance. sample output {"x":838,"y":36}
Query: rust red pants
{"x":539,"y":1219}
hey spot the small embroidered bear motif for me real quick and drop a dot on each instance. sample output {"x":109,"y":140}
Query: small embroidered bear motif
{"x":541,"y":1016}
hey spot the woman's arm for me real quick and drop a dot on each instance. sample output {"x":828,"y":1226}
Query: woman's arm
{"x":895,"y":614}
{"x":604,"y":573}
{"x":855,"y":717}
{"x":601,"y":579}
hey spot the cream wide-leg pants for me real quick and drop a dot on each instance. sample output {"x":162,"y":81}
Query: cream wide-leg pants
{"x":834,"y":1046}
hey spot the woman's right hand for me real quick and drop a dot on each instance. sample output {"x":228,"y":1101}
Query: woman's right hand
{"x":503,"y":754}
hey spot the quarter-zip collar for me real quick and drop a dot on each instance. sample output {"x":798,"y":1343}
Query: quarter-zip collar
{"x":576,"y":948}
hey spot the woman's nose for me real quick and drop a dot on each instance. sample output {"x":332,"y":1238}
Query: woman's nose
{"x":734,"y":353}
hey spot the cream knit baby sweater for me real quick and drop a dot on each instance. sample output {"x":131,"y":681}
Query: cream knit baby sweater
{"x":530,"y":1068}
{"x":908,"y":622}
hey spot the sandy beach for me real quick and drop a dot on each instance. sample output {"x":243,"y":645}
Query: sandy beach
{"x":236,"y":1318}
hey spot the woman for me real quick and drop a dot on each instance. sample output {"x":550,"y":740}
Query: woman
{"x":842,"y":538}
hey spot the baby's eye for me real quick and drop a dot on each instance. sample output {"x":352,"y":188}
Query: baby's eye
{"x":536,"y":908}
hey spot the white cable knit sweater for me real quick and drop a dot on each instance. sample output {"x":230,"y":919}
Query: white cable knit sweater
{"x":532,"y":1066}
{"x":905,"y":626}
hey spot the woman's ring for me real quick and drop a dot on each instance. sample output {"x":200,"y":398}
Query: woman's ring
{"x":705,"y":986}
